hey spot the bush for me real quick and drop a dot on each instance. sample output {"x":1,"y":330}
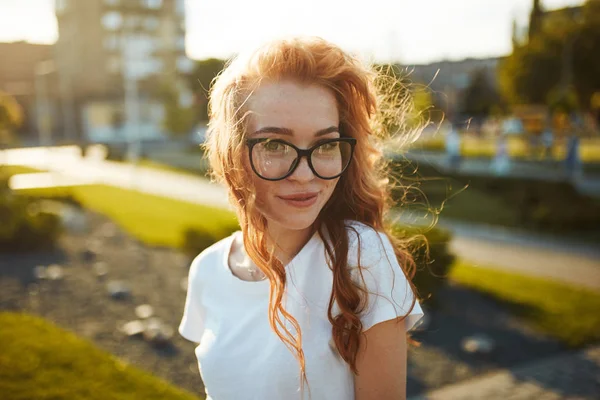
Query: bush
{"x":114,"y":151}
{"x":432,"y":257}
{"x":550,"y":206}
{"x":537,"y":205}
{"x":195,"y":240}
{"x":24,"y":226}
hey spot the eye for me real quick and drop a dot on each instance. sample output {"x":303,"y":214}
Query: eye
{"x":328,"y":147}
{"x":273,"y":146}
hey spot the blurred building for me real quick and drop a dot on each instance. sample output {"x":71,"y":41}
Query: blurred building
{"x":448,"y":79}
{"x":20,"y":61}
{"x":114,"y":58}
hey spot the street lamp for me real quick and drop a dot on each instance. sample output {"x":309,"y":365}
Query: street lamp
{"x":44,"y":120}
{"x":132,"y":105}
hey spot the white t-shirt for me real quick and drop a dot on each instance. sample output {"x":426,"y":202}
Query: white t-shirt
{"x":240,"y":357}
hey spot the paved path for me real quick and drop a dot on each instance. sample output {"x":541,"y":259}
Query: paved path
{"x":571,"y":376}
{"x":505,"y":249}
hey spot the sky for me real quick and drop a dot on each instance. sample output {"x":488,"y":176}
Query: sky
{"x":407,"y":31}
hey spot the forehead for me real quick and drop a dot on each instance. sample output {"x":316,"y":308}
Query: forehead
{"x":292,"y":105}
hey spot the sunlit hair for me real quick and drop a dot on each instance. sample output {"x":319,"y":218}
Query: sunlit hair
{"x":362,"y":193}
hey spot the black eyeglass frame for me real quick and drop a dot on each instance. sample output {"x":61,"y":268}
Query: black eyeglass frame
{"x":300,"y":154}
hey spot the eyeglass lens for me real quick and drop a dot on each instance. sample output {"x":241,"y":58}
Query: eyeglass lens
{"x":273,"y":159}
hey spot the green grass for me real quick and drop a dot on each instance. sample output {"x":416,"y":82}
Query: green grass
{"x":9,"y":170}
{"x":147,"y":163}
{"x":568,"y":313}
{"x":38,"y":360}
{"x":459,"y":201}
{"x":154,"y":220}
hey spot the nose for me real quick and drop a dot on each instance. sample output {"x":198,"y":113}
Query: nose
{"x":303,"y":173}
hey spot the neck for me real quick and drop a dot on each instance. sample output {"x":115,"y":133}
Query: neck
{"x":288,"y":242}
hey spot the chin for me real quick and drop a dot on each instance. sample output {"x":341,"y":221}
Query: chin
{"x":295,"y":222}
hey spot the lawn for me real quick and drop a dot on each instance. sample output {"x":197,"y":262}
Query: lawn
{"x":38,"y":360}
{"x":562,"y":311}
{"x":161,"y":166}
{"x":155,"y":220}
{"x":461,"y":201}
{"x":8,"y":170}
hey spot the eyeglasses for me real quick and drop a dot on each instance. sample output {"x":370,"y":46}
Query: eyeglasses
{"x":276,"y":159}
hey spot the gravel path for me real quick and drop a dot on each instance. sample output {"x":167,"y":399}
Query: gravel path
{"x":570,"y":376}
{"x":80,"y":301}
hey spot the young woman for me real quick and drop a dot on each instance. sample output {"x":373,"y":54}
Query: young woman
{"x":311,"y":299}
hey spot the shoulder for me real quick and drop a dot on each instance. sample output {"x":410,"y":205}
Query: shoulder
{"x":210,"y":258}
{"x":367,"y":245}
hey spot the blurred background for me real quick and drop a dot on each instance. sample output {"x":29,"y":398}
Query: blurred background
{"x":104,"y":197}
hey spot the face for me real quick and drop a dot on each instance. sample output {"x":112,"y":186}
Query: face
{"x":302,"y":115}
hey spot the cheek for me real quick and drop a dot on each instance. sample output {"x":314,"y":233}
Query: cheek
{"x":263,"y":190}
{"x":329,"y":188}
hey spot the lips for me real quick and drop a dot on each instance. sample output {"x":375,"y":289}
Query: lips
{"x":300,"y":196}
{"x":300,"y":200}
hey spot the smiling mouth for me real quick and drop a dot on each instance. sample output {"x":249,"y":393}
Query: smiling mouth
{"x":300,"y":200}
{"x":299,"y":197}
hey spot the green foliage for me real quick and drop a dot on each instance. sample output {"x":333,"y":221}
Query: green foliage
{"x":531,"y":71}
{"x":11,"y":117}
{"x":404,"y":107}
{"x":432,"y":257}
{"x":534,"y":205}
{"x":539,"y":205}
{"x":200,"y":82}
{"x":24,"y":225}
{"x":562,"y":101}
{"x":561,"y":52}
{"x":179,"y":120}
{"x":480,"y":98}
{"x":38,"y":360}
{"x":196,"y":240}
{"x":562,"y":311}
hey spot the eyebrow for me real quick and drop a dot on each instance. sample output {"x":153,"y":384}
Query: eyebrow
{"x":289,"y":132}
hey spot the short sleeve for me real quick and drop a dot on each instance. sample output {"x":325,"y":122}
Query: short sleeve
{"x":390,"y":294}
{"x":192,"y":323}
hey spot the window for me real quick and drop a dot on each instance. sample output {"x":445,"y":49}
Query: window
{"x":152,"y":23}
{"x":155,"y":4}
{"x":112,"y":20}
{"x":142,"y":68}
{"x":184,"y":64}
{"x":133,"y":21}
{"x":114,"y":64}
{"x":111,"y":42}
{"x":60,"y":5}
{"x":180,"y":7}
{"x":181,"y":42}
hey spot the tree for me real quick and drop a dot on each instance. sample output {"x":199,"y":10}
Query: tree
{"x":200,"y":82}
{"x":11,"y":117}
{"x":179,"y":119}
{"x":562,"y":57}
{"x":402,"y":96}
{"x":480,"y":98}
